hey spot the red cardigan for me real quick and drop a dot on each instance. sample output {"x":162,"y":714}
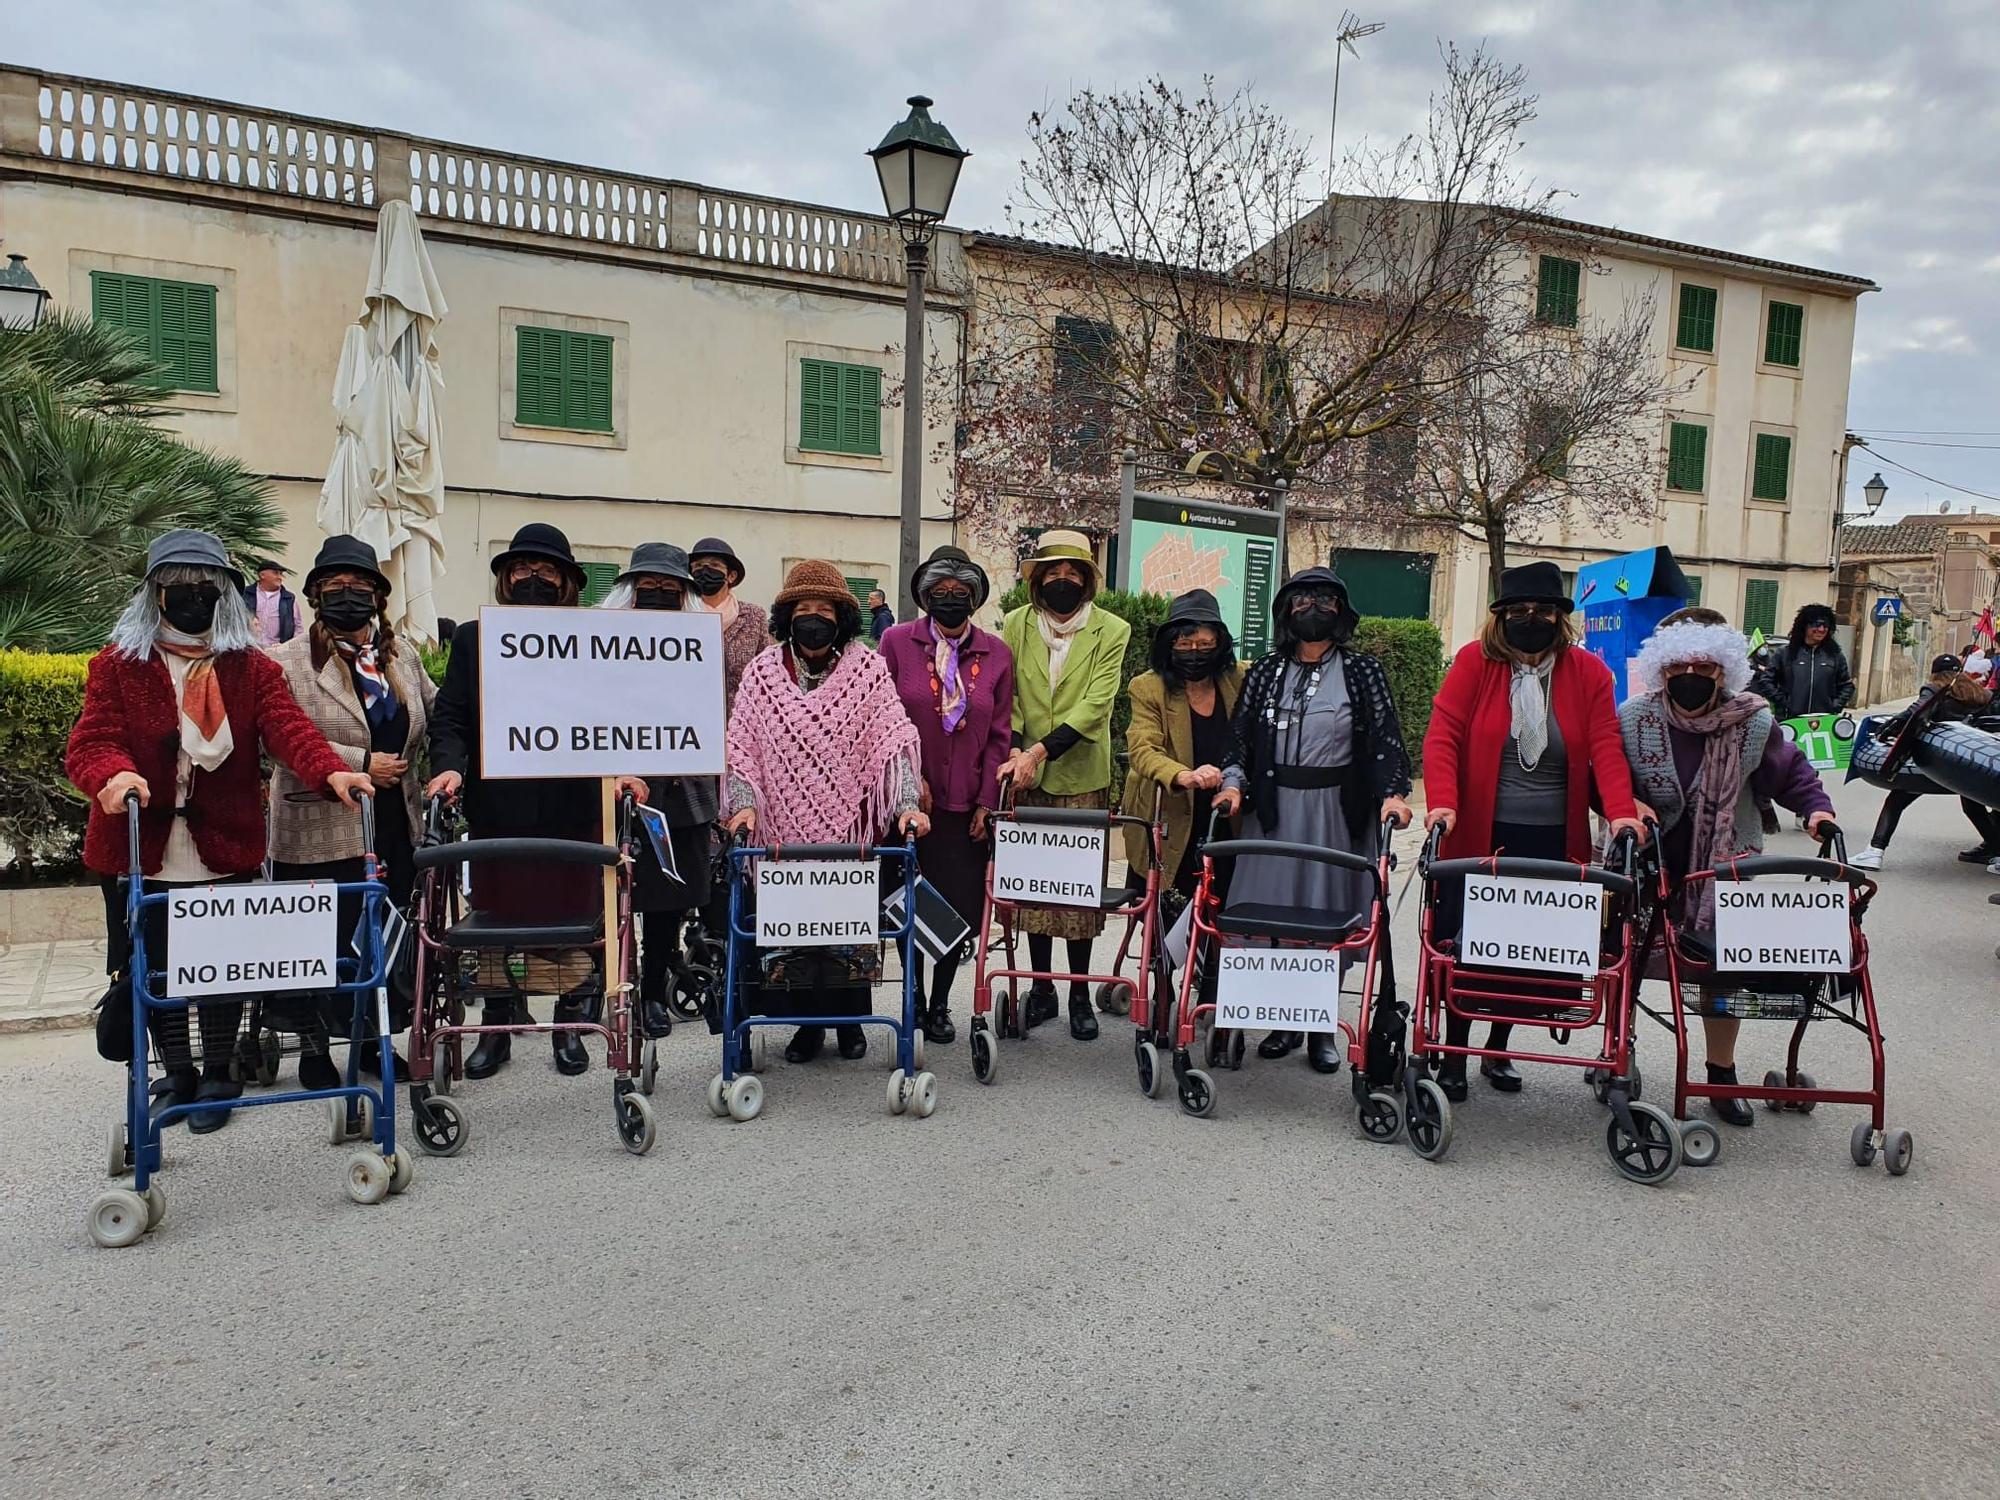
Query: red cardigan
{"x":1471,"y":720}
{"x":130,"y":723}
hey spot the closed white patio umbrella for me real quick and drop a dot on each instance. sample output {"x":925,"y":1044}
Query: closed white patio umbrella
{"x":385,"y":482}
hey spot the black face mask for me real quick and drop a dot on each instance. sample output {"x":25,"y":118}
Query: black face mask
{"x":1198,"y":666}
{"x":1691,"y":691}
{"x":950,"y":611}
{"x":656,"y":599}
{"x":346,"y":609}
{"x":813,"y":633}
{"x":1530,"y":636}
{"x":708,"y":582}
{"x":1315,"y":625}
{"x":190,"y":607}
{"x":1062,"y":595}
{"x":534,"y":589}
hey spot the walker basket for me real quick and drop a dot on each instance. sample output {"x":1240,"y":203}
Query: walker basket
{"x":803,"y":969}
{"x":533,"y":973}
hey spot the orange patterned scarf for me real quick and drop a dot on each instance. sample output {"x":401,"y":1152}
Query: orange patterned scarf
{"x":205,"y":734}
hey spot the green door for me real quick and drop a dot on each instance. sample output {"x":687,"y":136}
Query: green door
{"x":1393,"y":585}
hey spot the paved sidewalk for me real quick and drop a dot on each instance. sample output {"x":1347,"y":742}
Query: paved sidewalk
{"x":49,"y":984}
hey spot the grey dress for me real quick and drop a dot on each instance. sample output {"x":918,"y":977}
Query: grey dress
{"x":1320,"y":737}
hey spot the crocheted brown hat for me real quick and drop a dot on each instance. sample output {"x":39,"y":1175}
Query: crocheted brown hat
{"x":812,"y":579}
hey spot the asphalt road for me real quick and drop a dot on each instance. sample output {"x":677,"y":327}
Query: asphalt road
{"x":1053,"y":1287}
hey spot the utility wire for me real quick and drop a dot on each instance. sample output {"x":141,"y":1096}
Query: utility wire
{"x":1924,"y":443}
{"x":1933,"y":479}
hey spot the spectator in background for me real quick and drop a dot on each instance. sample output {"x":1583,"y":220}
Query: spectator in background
{"x":1808,"y":674}
{"x":274,"y":609}
{"x":1963,"y":696}
{"x":447,"y":627}
{"x":716,"y":570}
{"x":1977,"y":664}
{"x":880,"y":616}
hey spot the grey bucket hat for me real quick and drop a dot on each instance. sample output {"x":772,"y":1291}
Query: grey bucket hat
{"x":657,"y":560}
{"x":195,"y":549}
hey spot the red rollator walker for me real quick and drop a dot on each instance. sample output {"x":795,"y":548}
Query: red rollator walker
{"x":998,"y":999}
{"x":1697,"y":985}
{"x":1642,"y":1140}
{"x":1374,"y":1037}
{"x":467,"y":956}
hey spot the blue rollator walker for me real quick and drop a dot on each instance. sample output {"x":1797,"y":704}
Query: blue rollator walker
{"x":737,"y":1091}
{"x":360,"y":1111}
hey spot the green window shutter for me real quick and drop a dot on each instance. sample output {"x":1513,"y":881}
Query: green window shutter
{"x":871,"y":411}
{"x":597,"y":580}
{"x":1687,"y":457}
{"x":528,"y":376}
{"x":1771,"y":475}
{"x":840,"y":407}
{"x":172,"y":321}
{"x":563,"y":379}
{"x":1694,"y":587}
{"x":597,"y":384}
{"x":1760,"y":606}
{"x":201,"y":359}
{"x":1696,"y":328}
{"x":1558,"y":290}
{"x":861,"y":588}
{"x":1784,"y":332}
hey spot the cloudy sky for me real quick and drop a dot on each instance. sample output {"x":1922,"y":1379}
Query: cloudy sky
{"x":1859,"y":137}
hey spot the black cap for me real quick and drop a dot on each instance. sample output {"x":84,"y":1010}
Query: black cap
{"x":1195,"y":607}
{"x":1316,"y":578}
{"x":657,"y":560}
{"x":1942,"y":665}
{"x":1534,"y":583}
{"x":956,"y":556}
{"x":347,"y":554}
{"x":539,"y":539}
{"x":715,"y":546}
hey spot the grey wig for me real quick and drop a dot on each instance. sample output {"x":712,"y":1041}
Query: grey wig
{"x":140,"y":626}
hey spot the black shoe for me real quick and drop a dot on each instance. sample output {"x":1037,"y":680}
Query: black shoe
{"x":1279,"y":1043}
{"x":805,"y":1044}
{"x":1979,"y":856}
{"x":1451,"y":1078}
{"x":1770,"y":819}
{"x":1082,"y":1019}
{"x":1041,"y":1004}
{"x":571,"y":1056}
{"x":1501,"y":1074}
{"x":317,"y":1073}
{"x":1323,"y":1052}
{"x":1735,"y":1112}
{"x":371,"y":1062}
{"x":205,"y":1122}
{"x":937,"y":1024}
{"x":494,"y":1052}
{"x":174,"y":1090}
{"x":853,"y":1041}
{"x":656,"y":1017}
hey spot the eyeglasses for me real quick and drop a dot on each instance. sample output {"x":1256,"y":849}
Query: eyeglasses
{"x":670,"y":590}
{"x":543,"y":570}
{"x":945,"y":591}
{"x":1530,"y":612}
{"x":1324,"y":600}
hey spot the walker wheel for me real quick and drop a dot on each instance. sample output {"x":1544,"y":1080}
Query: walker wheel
{"x":1429,"y":1123}
{"x":441,"y":1064}
{"x":402,"y":1170}
{"x":1380,"y":1117}
{"x":899,"y":1091}
{"x":1152,"y":1072}
{"x":116,"y":1219}
{"x":1197,"y":1092}
{"x":156,"y":1206}
{"x":923,"y":1095}
{"x":649,"y":1066}
{"x":757,"y":1053}
{"x":1215,"y":1053}
{"x":364,"y":1112}
{"x":440,"y":1125}
{"x":1236,"y":1045}
{"x":1632,"y":1076}
{"x":1114,"y":997}
{"x":119,"y":1159}
{"x":368,"y":1177}
{"x":1806,"y":1106}
{"x":985,"y":1055}
{"x":1861,"y":1144}
{"x":718,"y":1098}
{"x":1654,"y":1154}
{"x":917,"y":1049}
{"x":685,"y":998}
{"x":1599,"y":1080}
{"x":745,"y":1097}
{"x":1896,"y":1149}
{"x":637,"y":1126}
{"x":269,"y":1052}
{"x":1701,"y":1144}
{"x":1773,"y":1079}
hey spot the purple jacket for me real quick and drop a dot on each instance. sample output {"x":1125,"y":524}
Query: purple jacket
{"x":961,"y":769}
{"x":1784,"y":775}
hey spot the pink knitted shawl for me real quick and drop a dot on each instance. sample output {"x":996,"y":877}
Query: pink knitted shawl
{"x":826,"y":765}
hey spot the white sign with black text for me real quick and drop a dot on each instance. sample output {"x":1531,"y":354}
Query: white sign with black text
{"x":246,"y":939}
{"x":817,"y":903}
{"x":1772,"y":926}
{"x":1285,"y":989}
{"x":595,"y":693}
{"x":1538,"y":925}
{"x":1047,"y":864}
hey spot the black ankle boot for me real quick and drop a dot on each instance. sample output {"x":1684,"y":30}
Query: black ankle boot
{"x":656,"y":1017}
{"x":213,"y":1090}
{"x":1451,"y":1078}
{"x":571,"y":1056}
{"x":1041,"y":1003}
{"x":805,"y":1044}
{"x":317,"y":1073}
{"x":853,"y":1041}
{"x":937,"y":1024}
{"x":496,"y":1049}
{"x":1730,"y":1111}
{"x":1323,"y":1052}
{"x":1082,"y":1019}
{"x":1280,"y":1043}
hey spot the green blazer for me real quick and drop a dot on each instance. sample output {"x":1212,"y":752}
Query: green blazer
{"x":1160,"y":743}
{"x":1083,"y":699}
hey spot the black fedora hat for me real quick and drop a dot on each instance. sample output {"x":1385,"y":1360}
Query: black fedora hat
{"x":539,"y":539}
{"x":1534,"y":583}
{"x":956,"y":561}
{"x":346,"y":554}
{"x":715,"y":546}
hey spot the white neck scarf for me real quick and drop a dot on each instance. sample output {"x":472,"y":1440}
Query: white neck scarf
{"x":1058,"y":635}
{"x":1528,"y":696}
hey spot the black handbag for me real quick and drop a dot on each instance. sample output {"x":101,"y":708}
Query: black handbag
{"x":114,"y":1021}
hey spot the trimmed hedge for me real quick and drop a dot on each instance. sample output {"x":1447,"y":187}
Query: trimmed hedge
{"x":41,"y":815}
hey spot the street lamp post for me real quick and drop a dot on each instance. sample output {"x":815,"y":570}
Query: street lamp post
{"x":22,"y":298}
{"x":918,"y":165}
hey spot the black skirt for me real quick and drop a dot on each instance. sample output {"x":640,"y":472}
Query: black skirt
{"x":652,"y":891}
{"x":953,"y":862}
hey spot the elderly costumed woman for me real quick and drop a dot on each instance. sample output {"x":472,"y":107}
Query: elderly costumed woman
{"x":821,"y":752}
{"x":176,"y":710}
{"x":957,"y":685}
{"x":1702,"y":751}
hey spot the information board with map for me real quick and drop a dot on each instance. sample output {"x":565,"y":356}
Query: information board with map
{"x":1177,"y":545}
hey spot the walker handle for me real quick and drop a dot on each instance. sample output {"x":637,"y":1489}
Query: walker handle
{"x":132,"y":833}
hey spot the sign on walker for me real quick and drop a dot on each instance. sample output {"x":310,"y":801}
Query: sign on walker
{"x":1048,"y":864}
{"x":1538,"y":925}
{"x":596,"y":693}
{"x":817,"y":903}
{"x":246,"y":939}
{"x":1777,"y":925}
{"x":1288,"y":989}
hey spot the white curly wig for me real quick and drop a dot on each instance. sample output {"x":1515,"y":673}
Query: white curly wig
{"x":1673,"y":645}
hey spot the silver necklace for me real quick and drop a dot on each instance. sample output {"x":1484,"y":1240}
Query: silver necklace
{"x":1303,"y":700}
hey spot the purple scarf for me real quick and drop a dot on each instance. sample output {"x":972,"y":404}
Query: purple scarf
{"x":951,"y":686}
